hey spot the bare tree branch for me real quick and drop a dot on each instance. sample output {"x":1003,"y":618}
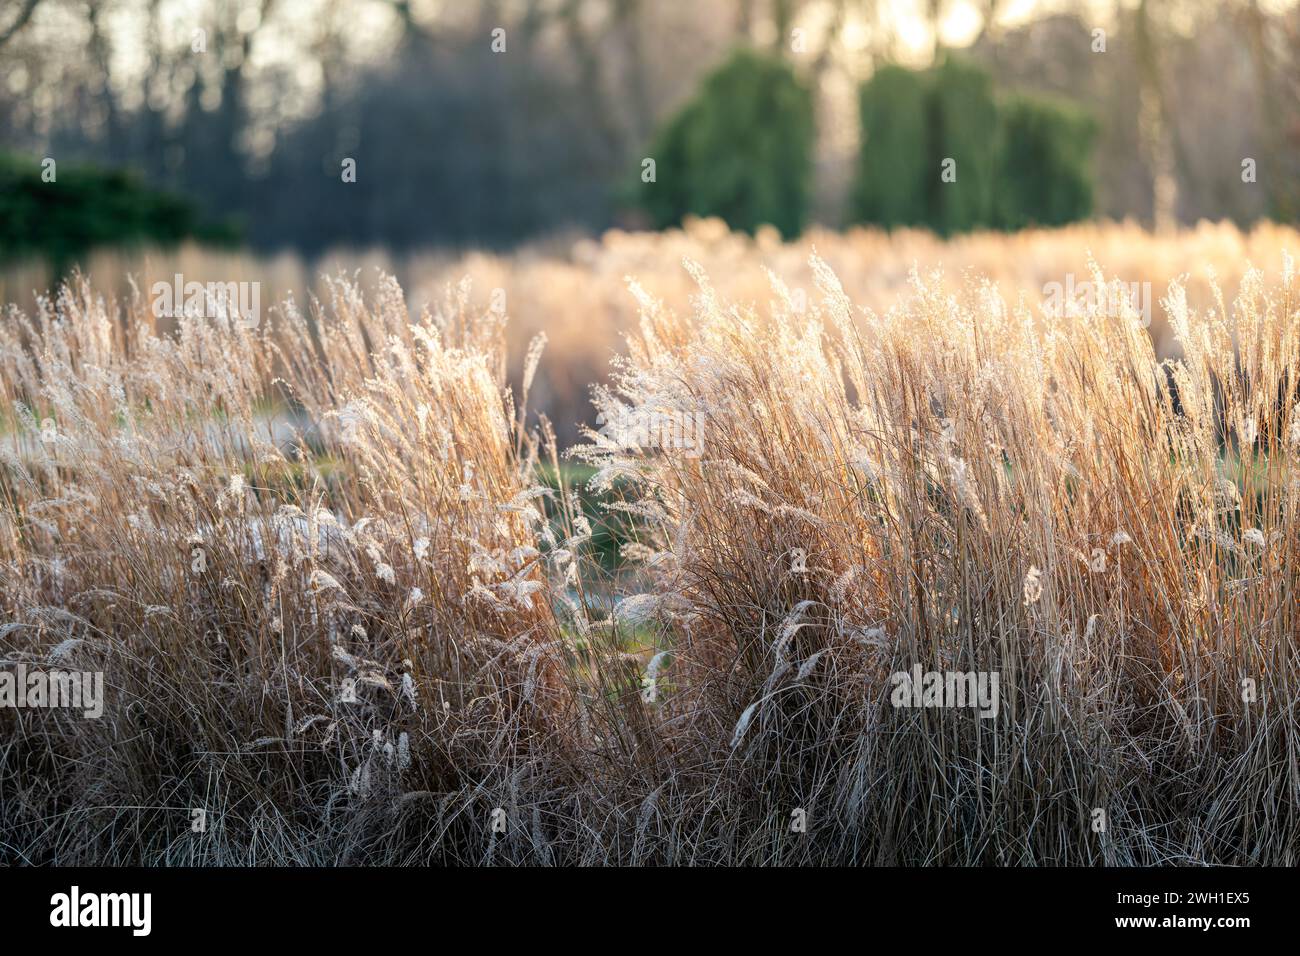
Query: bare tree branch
{"x":410,"y":25}
{"x":24,"y":15}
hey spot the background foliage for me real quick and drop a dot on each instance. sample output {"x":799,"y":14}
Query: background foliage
{"x":84,"y":208}
{"x":1021,"y":160}
{"x":741,"y":150}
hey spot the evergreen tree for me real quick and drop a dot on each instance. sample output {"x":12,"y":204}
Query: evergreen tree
{"x":1044,"y":177}
{"x":891,"y":186}
{"x":83,"y":208}
{"x":741,"y":149}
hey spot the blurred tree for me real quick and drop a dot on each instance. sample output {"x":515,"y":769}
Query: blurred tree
{"x":84,"y":208}
{"x":494,"y":148}
{"x":1023,"y":160}
{"x":783,"y":12}
{"x":1274,"y":47}
{"x":935,"y":13}
{"x":1169,"y":162}
{"x":891,"y":186}
{"x":963,"y":121}
{"x":740,"y":150}
{"x":256,"y":118}
{"x":1044,"y":173}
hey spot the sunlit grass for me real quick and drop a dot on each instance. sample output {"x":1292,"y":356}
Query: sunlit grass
{"x":350,"y":599}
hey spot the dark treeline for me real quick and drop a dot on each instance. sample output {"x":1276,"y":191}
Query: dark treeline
{"x":492,"y":122}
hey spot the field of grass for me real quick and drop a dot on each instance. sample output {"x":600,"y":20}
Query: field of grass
{"x":364,"y":589}
{"x":576,"y":291}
